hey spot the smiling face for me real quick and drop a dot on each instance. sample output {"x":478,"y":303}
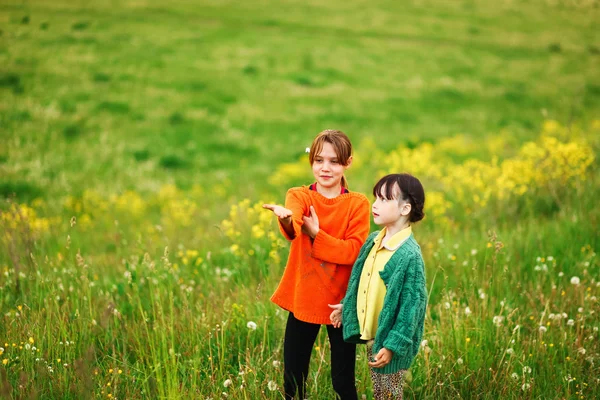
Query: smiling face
{"x":327,"y":167}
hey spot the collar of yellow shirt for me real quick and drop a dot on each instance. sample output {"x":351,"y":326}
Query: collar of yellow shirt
{"x":395,"y":241}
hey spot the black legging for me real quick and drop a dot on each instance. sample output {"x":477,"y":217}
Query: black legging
{"x":299,"y":339}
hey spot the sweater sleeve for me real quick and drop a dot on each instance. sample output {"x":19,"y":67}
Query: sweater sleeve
{"x":294,"y":203}
{"x":344,"y":251}
{"x":413,"y":302}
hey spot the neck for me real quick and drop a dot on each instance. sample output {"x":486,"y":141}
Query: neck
{"x":331,"y":192}
{"x":397,"y":226}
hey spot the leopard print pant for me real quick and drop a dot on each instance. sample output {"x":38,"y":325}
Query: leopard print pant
{"x":386,"y":386}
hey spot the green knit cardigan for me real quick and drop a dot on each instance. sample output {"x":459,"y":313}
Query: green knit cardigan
{"x":400,"y":323}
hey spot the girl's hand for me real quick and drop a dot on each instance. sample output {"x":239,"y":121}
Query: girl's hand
{"x":282,"y":213}
{"x":336,"y":315}
{"x":311,"y":223}
{"x":382,"y":358}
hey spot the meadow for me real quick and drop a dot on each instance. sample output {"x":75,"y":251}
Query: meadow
{"x":139,"y":139}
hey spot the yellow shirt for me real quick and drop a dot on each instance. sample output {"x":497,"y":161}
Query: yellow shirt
{"x":371,"y":289}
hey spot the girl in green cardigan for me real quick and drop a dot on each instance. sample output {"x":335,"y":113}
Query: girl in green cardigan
{"x":386,"y":299}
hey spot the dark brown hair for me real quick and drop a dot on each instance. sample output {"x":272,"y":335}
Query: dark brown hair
{"x":341,"y":144}
{"x":411,"y":190}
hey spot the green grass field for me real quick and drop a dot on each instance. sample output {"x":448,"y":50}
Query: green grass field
{"x":138,"y":140}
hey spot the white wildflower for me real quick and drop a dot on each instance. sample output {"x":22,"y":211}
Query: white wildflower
{"x":575,"y":281}
{"x":467,"y":311}
{"x":276,"y":364}
{"x":561,"y":274}
{"x":227,"y":382}
{"x":424,"y":343}
{"x":526,"y":386}
{"x":580,"y":309}
{"x":473,"y":252}
{"x":459,"y":361}
{"x":581,"y":350}
{"x":251,"y":325}
{"x":510,"y":351}
{"x":542,"y":329}
{"x":447,"y":305}
{"x":498,"y":319}
{"x":515,"y":376}
{"x":272,"y":386}
{"x":526,"y":369}
{"x":570,"y":322}
{"x":307,"y":150}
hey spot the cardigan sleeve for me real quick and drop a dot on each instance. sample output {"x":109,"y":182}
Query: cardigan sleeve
{"x":294,"y":203}
{"x":344,"y":251}
{"x":413,"y":302}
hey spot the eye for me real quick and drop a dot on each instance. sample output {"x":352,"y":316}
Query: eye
{"x":335,"y":162}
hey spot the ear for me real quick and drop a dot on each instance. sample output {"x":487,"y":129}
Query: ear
{"x":349,"y":162}
{"x":405,"y":209}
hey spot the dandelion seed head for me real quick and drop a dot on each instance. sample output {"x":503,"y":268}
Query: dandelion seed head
{"x":272,"y":386}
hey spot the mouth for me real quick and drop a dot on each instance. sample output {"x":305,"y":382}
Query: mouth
{"x":375,"y":215}
{"x":326,"y":177}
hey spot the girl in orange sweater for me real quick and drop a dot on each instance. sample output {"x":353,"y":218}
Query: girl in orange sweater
{"x":327,"y":225}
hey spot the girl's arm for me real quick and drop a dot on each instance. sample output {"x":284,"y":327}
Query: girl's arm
{"x":344,"y":251}
{"x":284,"y":216}
{"x":413,"y":302}
{"x":290,"y":216}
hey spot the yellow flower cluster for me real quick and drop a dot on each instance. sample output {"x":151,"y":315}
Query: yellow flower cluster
{"x":291,"y":172}
{"x":252,"y":229}
{"x":20,"y":218}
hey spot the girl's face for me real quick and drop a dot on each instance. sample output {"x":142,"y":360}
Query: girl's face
{"x":390,"y":212}
{"x":327,"y":168}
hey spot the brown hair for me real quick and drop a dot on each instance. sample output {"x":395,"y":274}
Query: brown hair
{"x":411,"y":190}
{"x":341,"y":144}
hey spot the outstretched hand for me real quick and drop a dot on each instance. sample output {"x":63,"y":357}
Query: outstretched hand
{"x":284,"y":214}
{"x":311,"y":223}
{"x":336,"y":315}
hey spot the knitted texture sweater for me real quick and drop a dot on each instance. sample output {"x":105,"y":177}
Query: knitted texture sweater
{"x":401,"y":321}
{"x":318,"y":270}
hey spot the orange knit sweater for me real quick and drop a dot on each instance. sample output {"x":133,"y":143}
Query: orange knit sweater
{"x":318,"y":270}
